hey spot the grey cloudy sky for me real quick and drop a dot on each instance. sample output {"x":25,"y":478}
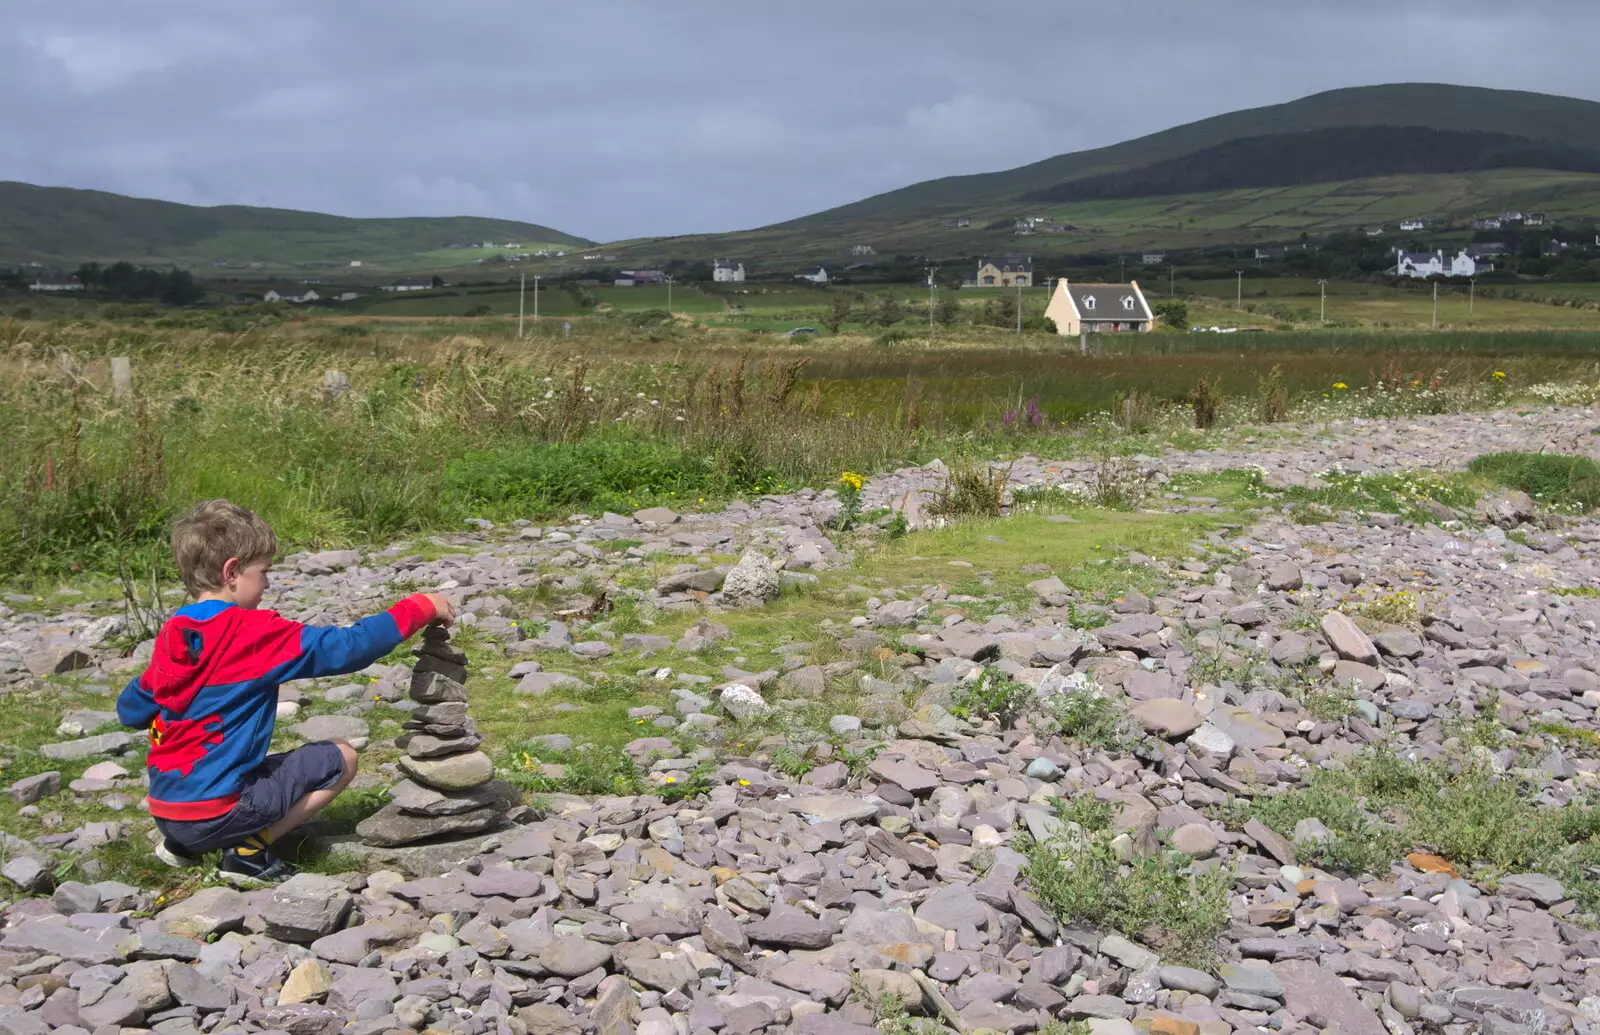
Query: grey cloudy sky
{"x":622,"y":118}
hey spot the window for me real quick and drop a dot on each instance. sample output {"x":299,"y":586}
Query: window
{"x":1127,"y":301}
{"x":1088,"y":301}
{"x":988,"y":280}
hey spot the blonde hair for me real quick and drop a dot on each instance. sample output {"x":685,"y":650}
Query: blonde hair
{"x":204,"y":539}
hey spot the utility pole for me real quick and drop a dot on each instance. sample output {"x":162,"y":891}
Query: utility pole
{"x":931,"y":271}
{"x":522,"y":294}
{"x":536,"y":300}
{"x":1436,"y":305}
{"x":669,"y":292}
{"x":1238,"y":300}
{"x":1019,"y":305}
{"x":1324,"y":284}
{"x":1122,"y":269}
{"x":1172,"y":280}
{"x":1472,"y":294}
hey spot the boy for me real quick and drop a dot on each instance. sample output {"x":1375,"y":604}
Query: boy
{"x":210,"y":699}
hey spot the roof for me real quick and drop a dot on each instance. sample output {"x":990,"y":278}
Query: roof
{"x":1009,"y":263}
{"x":1108,"y":302}
{"x":811,"y":271}
{"x":415,"y":282}
{"x":1418,"y":258}
{"x":725,"y":264}
{"x":56,"y":278}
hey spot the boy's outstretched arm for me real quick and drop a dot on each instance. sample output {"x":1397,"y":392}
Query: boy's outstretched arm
{"x":329,"y":650}
{"x":135,"y":706}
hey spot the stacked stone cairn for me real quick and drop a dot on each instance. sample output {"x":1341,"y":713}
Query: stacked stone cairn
{"x":450,"y":789}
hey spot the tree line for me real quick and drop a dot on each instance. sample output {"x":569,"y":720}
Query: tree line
{"x":129,"y":283}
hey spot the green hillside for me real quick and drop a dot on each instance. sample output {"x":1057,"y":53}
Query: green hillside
{"x":1461,"y":109}
{"x":1340,"y":160}
{"x":61,"y":226}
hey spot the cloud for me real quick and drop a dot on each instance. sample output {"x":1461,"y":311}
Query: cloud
{"x":621,"y":118}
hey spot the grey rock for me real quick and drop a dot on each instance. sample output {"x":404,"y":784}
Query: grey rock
{"x":1317,"y":995}
{"x":751,"y":583}
{"x":30,"y":789}
{"x":1347,"y":640}
{"x":305,"y":907}
{"x":88,"y":747}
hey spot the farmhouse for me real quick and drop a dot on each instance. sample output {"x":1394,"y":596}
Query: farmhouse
{"x":1414,"y":224}
{"x":726,"y":271}
{"x":1422,"y":265}
{"x":1486,"y":224}
{"x":55,"y":282}
{"x":1099,"y":308}
{"x":815,"y":276}
{"x":409,"y":284}
{"x":1006,"y":271}
{"x":1154,"y":258}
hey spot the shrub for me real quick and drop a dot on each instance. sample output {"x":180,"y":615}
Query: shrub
{"x":971,"y":490}
{"x":1134,"y":411}
{"x":1207,"y":400}
{"x":995,"y":696}
{"x":1554,"y":479}
{"x":1085,"y":715}
{"x":1273,"y":392}
{"x":1172,"y":313}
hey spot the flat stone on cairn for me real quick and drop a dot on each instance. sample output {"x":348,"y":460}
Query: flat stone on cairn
{"x":450,"y":787}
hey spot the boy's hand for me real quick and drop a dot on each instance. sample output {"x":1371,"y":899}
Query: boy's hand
{"x":443,"y":613}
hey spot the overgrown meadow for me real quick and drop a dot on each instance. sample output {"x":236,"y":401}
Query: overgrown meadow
{"x":435,"y":429}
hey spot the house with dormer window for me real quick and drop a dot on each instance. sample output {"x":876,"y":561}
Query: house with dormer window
{"x":1099,"y":308}
{"x":1006,"y":271}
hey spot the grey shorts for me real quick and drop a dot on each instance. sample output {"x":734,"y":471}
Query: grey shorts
{"x":269,"y":790}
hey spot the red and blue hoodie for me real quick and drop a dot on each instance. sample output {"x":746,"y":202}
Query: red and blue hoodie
{"x":210,"y":695}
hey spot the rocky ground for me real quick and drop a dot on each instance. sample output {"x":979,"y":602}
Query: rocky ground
{"x":1026,"y":774}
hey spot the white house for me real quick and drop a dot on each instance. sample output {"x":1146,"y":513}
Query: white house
{"x":355,"y":264}
{"x":1099,"y":308}
{"x":726,"y":271}
{"x":815,"y":276}
{"x":288,"y":295}
{"x":409,"y":284}
{"x":1154,"y":258}
{"x":55,"y":282}
{"x":1422,"y":265}
{"x":1414,"y":224}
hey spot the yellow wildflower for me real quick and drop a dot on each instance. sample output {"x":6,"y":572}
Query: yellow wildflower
{"x":672,"y":779}
{"x":1499,"y":375}
{"x":743,"y":782}
{"x":1340,"y":386}
{"x":850,"y":478}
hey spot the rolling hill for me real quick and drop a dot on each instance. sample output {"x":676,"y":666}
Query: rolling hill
{"x":63,"y":227}
{"x":1336,"y":160}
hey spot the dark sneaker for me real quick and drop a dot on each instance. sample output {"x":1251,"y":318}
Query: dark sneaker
{"x":256,"y":870}
{"x":173,"y":854}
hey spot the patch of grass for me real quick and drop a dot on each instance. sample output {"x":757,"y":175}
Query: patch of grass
{"x":1163,"y":900}
{"x":1577,"y":591}
{"x":1557,"y":480}
{"x":1380,"y":807}
{"x":1406,"y":494}
{"x":587,"y":769}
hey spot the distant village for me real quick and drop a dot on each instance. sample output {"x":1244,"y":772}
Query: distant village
{"x":1480,"y":245}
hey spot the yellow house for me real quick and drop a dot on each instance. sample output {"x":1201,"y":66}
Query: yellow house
{"x":1099,"y":308}
{"x":1006,"y":271}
